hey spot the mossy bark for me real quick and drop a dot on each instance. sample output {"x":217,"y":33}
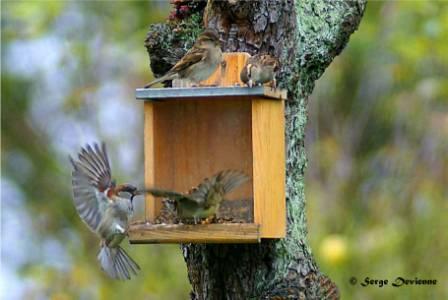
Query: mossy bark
{"x":305,"y":36}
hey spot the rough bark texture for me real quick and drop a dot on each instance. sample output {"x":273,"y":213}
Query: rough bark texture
{"x":306,"y":36}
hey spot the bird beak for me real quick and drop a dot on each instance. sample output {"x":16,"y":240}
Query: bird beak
{"x":136,"y":193}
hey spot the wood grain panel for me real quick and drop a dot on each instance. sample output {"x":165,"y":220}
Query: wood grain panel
{"x":268,"y":138}
{"x":230,"y":75}
{"x":202,"y":233}
{"x":195,"y":139}
{"x":150,"y":205}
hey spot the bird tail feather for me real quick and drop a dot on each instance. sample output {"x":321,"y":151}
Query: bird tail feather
{"x":165,"y":77}
{"x":117,"y":263}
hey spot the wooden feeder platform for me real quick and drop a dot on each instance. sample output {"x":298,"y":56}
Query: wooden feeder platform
{"x":200,"y":233}
{"x":192,"y":133}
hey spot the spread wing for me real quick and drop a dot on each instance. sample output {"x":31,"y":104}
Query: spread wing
{"x":171,"y":195}
{"x":202,"y":191}
{"x":91,"y":176}
{"x":164,"y":193}
{"x":231,"y":179}
{"x":223,"y":183}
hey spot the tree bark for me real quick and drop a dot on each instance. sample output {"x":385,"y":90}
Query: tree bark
{"x":305,"y":36}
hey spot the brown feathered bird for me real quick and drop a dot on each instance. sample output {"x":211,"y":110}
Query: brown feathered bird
{"x":198,"y":63}
{"x":102,"y":205}
{"x":204,"y":200}
{"x":260,"y":69}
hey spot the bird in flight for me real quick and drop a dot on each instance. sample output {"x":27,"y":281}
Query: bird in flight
{"x":105,"y":208}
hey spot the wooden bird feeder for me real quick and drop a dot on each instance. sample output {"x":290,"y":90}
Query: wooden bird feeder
{"x":193,"y":133}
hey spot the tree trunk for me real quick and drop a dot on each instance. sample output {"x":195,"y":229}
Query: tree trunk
{"x":305,"y":36}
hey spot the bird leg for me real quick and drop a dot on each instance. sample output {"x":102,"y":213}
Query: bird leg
{"x":205,"y":221}
{"x":177,"y":83}
{"x":223,"y":64}
{"x":209,"y":220}
{"x":223,"y":69}
{"x":274,"y":84}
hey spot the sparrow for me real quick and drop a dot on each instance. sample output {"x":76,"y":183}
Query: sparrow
{"x":260,"y":69}
{"x":203,"y":201}
{"x":198,"y":63}
{"x":102,"y":205}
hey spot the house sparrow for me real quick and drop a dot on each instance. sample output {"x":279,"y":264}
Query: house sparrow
{"x":101,"y":205}
{"x":198,"y":63}
{"x":260,"y":69}
{"x":204,"y":200}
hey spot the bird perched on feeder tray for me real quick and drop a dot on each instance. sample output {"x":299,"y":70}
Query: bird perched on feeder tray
{"x":198,"y":63}
{"x":204,"y":200}
{"x":102,"y":206}
{"x":260,"y":69}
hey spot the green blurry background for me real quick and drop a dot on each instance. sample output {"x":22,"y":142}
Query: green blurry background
{"x":377,"y":143}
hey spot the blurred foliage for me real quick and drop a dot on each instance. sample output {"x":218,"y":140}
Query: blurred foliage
{"x":377,"y":145}
{"x":377,"y":142}
{"x":69,"y":74}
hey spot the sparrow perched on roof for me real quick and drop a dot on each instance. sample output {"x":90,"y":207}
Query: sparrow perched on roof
{"x":260,"y":69}
{"x":198,"y":63}
{"x":204,"y":200}
{"x":103,"y":207}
